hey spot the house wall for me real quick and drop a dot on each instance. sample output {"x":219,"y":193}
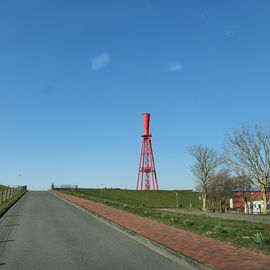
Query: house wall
{"x":251,"y":196}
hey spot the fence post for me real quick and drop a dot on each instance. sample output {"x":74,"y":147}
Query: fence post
{"x":1,"y":194}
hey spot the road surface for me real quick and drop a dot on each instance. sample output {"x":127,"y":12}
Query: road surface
{"x":44,"y":232}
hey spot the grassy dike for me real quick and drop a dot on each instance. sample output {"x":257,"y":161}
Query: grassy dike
{"x":252,"y":236}
{"x":4,"y":207}
{"x":152,"y":198}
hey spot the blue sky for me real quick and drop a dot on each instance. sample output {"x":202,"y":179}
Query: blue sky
{"x":75,"y":77}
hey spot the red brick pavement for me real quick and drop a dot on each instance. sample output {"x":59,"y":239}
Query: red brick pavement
{"x":199,"y":248}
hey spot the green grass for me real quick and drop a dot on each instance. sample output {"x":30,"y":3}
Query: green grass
{"x":7,"y":203}
{"x":157,"y":199}
{"x":238,"y":233}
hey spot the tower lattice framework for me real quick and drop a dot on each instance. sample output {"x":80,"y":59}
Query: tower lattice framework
{"x":147,"y":177}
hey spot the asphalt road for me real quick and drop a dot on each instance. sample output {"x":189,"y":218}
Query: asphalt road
{"x":43,"y":232}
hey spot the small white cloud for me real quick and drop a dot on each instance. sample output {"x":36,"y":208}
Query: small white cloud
{"x":100,"y":61}
{"x":176,"y":67}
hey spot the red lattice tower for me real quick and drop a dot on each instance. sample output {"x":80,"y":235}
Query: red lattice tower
{"x":147,"y":171}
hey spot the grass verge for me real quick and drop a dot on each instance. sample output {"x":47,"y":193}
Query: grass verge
{"x":252,"y":236}
{"x":9,"y":202}
{"x":152,"y":198}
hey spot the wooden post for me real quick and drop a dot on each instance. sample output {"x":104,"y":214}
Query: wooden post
{"x":4,"y":195}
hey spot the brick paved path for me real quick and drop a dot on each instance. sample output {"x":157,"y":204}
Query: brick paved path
{"x":199,"y":248}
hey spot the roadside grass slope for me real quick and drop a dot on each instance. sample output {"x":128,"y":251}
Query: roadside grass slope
{"x":152,"y":199}
{"x":9,"y":202}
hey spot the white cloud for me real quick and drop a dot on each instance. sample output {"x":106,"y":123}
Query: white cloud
{"x":100,"y":61}
{"x":176,"y":67}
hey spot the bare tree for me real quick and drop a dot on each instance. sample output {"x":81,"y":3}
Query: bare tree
{"x":204,"y":167}
{"x":243,"y":184}
{"x":220,"y":189}
{"x":247,"y":152}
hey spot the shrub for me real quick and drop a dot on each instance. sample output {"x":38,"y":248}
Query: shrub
{"x":220,"y":229}
{"x":188,"y":222}
{"x":259,"y":238}
{"x":174,"y":219}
